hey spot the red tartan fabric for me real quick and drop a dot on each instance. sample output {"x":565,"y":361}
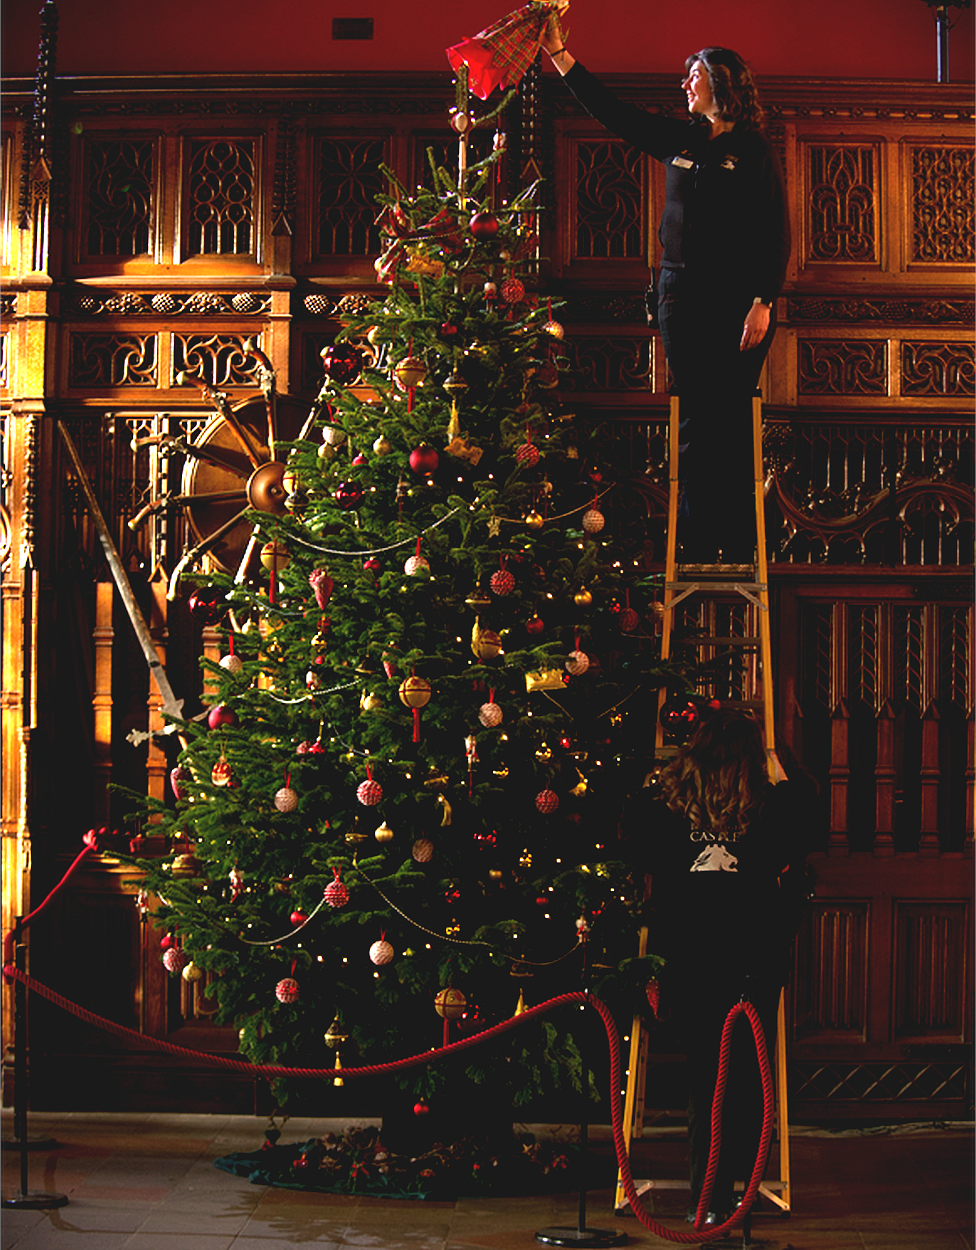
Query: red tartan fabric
{"x":500,"y":54}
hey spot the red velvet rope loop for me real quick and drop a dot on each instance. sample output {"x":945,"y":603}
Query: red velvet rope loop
{"x":613,"y":1042}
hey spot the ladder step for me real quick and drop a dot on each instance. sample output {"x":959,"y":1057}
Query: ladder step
{"x":715,"y":570}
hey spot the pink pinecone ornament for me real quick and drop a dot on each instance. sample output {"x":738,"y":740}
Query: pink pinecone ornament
{"x":174,"y":960}
{"x":547,"y":801}
{"x":423,"y":850}
{"x":369,"y":793}
{"x":231,"y":663}
{"x":336,"y":894}
{"x":381,"y":952}
{"x":527,"y":454}
{"x":286,"y":991}
{"x":577,"y":663}
{"x":415,"y":565}
{"x":502,"y":582}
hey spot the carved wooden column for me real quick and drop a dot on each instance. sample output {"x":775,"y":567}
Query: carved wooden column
{"x":840,"y":770}
{"x":103,"y":637}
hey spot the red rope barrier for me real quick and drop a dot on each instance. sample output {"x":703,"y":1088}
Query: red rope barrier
{"x":8,"y":937}
{"x":613,"y":1043}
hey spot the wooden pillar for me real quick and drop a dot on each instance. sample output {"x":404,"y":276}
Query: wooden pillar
{"x":931,"y":778}
{"x":885,"y":776}
{"x":103,"y":637}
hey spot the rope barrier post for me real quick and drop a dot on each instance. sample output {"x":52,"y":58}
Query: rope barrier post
{"x":581,"y":1235}
{"x":25,"y":1198}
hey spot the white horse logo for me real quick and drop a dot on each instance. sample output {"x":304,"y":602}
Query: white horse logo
{"x":715,"y":859}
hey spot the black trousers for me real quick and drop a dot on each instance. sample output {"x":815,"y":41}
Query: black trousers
{"x":701,"y":1012}
{"x":701,"y":327}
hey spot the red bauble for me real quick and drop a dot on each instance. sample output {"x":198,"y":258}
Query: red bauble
{"x":513,"y":291}
{"x":348,"y":495}
{"x":207,"y":604}
{"x":286,"y":991}
{"x":528,"y":454}
{"x":336,"y":894}
{"x":297,"y":917}
{"x":424,"y":459}
{"x":420,"y":1108}
{"x":483,"y":226}
{"x":221,"y":716}
{"x":628,"y":620}
{"x":547,"y":801}
{"x":341,"y":362}
{"x":502,"y":582}
{"x":372,"y":565}
{"x":534,"y":625}
{"x":166,"y":941}
{"x":369,"y":793}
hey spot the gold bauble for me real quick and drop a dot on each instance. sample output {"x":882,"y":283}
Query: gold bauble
{"x":495,"y":874}
{"x":582,"y":598}
{"x":450,"y":1004}
{"x":382,"y":446}
{"x":415,"y":692}
{"x":383,"y":832}
{"x":544,"y":753}
{"x":534,"y":520}
{"x":275,"y":557}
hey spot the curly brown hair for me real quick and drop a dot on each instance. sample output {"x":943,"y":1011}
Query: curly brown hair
{"x":719,"y":778}
{"x":733,"y":86}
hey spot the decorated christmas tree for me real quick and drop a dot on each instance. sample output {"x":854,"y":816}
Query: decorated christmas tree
{"x":439,"y":682}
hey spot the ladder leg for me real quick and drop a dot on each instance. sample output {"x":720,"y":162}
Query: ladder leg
{"x":670,"y":557}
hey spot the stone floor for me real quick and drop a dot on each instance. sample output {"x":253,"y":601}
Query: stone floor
{"x":147,"y":1182}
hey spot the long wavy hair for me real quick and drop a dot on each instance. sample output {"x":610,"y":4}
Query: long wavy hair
{"x":718,"y":778}
{"x":733,"y":86}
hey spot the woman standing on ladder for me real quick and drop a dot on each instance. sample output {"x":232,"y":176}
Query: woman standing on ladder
{"x":726,"y":243}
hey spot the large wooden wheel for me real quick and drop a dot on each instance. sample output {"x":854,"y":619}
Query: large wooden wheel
{"x":237,"y":464}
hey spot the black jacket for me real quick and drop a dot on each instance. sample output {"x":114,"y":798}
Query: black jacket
{"x":725,"y":217}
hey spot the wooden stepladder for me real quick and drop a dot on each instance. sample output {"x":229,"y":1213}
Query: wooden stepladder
{"x":722,"y":612}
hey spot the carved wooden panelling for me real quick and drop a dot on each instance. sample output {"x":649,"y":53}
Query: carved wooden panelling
{"x":843,"y":367}
{"x":943,"y":369}
{"x":870,"y":1084}
{"x":107,"y":360}
{"x":120,"y":180}
{"x":609,"y":202}
{"x":930,"y":969}
{"x":221,"y":197}
{"x":4,"y":372}
{"x":842,"y":206}
{"x":604,"y":363}
{"x":219,"y":359}
{"x":831,"y":993}
{"x":348,"y":181}
{"x":911,"y":685}
{"x":942,"y":205}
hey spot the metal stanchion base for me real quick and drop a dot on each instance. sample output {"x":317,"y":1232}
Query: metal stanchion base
{"x":32,"y":1143}
{"x":35,"y":1200}
{"x":581,"y":1237}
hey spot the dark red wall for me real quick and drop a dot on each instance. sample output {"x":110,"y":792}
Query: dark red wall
{"x":893,"y":39}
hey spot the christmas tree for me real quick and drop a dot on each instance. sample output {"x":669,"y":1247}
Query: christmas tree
{"x":401,"y":806}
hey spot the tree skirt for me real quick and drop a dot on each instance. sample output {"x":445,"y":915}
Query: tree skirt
{"x":356,"y":1162}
